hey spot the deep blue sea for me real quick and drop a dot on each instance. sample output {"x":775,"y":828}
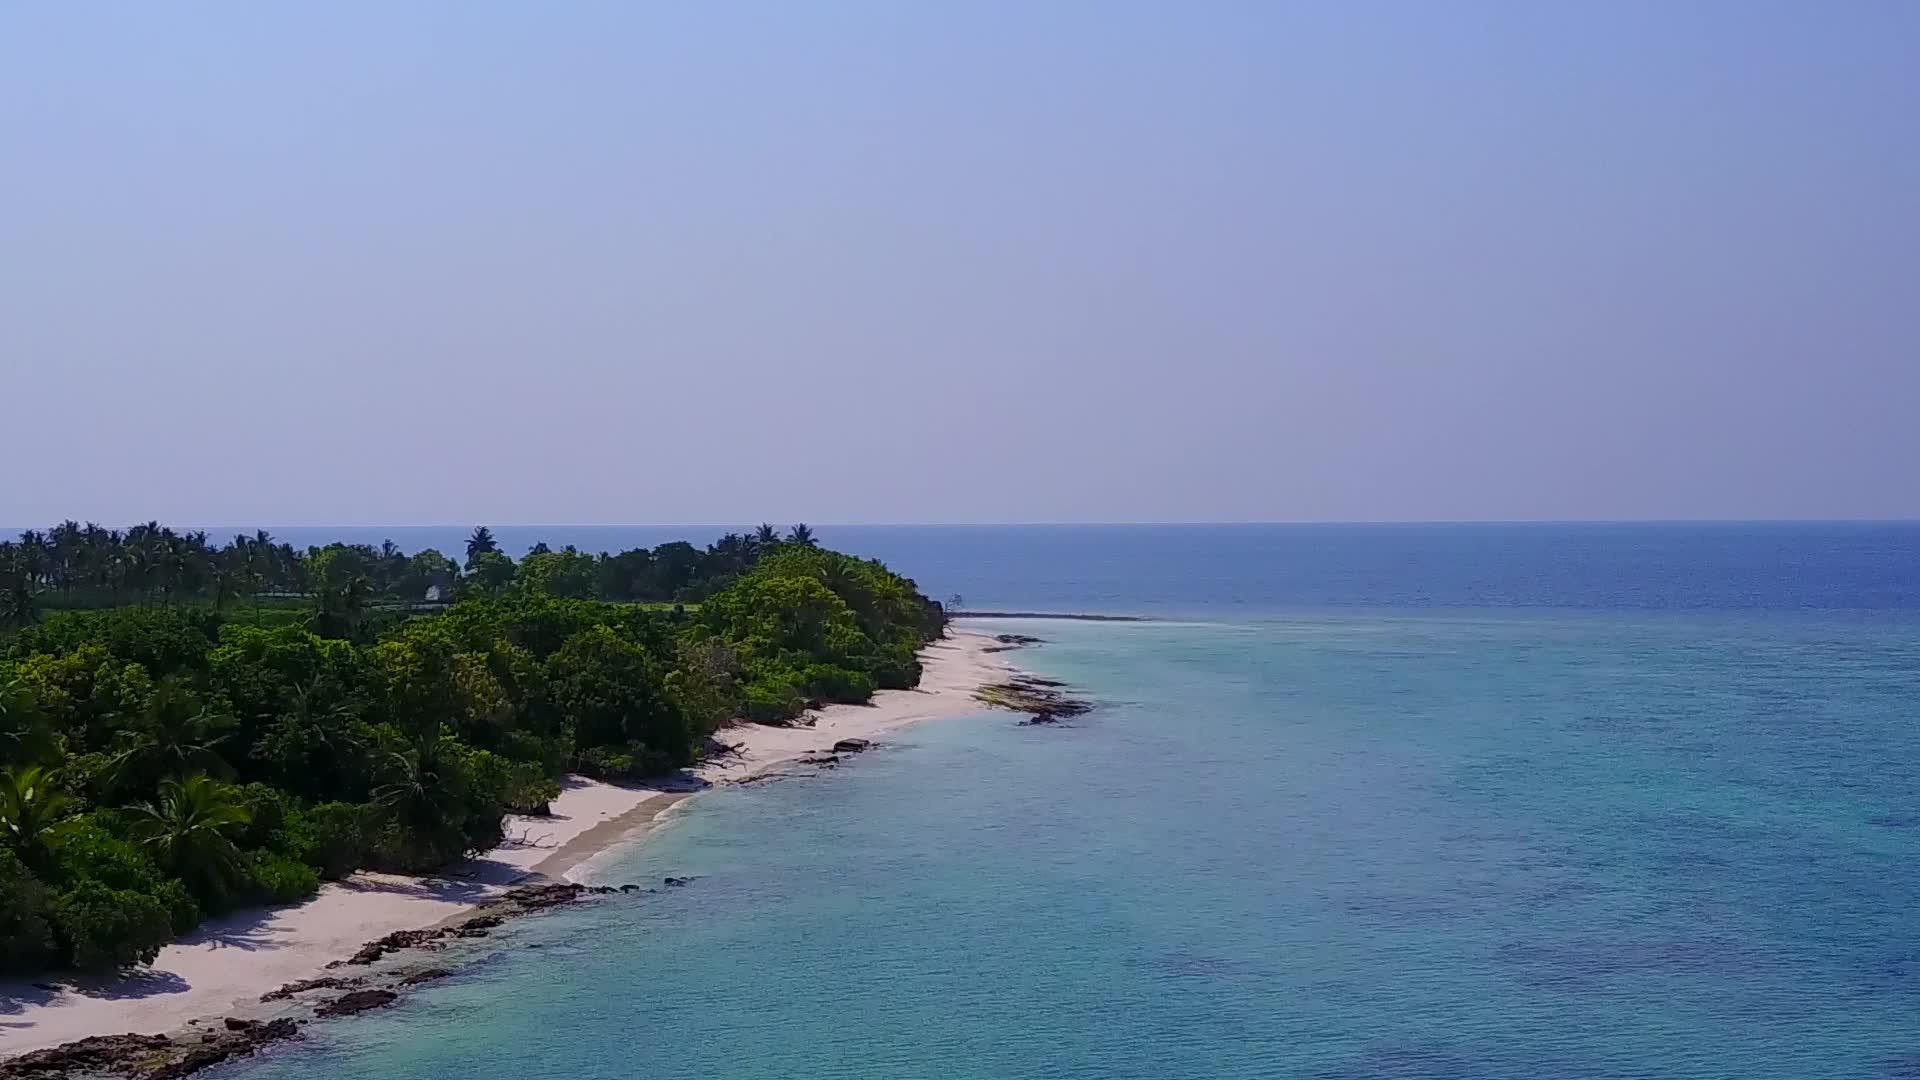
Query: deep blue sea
{"x":1489,"y":801}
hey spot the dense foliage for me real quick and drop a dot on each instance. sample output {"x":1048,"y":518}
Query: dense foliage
{"x":163,"y":762}
{"x":343,"y":590}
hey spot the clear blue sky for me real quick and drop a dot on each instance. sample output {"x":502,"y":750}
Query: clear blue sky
{"x":621,"y":262}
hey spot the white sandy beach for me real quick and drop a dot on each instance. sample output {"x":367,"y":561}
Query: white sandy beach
{"x":225,"y":966}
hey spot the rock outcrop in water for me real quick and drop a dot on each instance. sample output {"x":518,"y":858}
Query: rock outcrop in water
{"x":357,"y":1001}
{"x":1042,"y":700}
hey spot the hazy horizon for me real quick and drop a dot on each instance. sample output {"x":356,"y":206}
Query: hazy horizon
{"x":721,"y":527}
{"x":985,"y":263}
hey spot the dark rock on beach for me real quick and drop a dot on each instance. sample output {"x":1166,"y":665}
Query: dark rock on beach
{"x":521,"y":901}
{"x":392,"y":943}
{"x":100,"y":1053}
{"x":325,"y":982}
{"x":530,"y":898}
{"x":478,"y":926}
{"x":851,"y":746}
{"x":357,"y":1001}
{"x":218,"y":1048}
{"x":161,"y":1057}
{"x":147,"y":1057}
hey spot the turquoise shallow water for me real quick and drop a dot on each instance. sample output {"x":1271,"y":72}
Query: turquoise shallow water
{"x":1495,"y":843}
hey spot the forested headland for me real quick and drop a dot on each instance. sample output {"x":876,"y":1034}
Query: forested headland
{"x":188,"y":728}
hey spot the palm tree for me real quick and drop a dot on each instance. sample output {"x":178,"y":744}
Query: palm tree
{"x":64,"y":546}
{"x":802,"y":536}
{"x":290,"y":567}
{"x":115,"y":564}
{"x":314,"y":748}
{"x":175,"y":735}
{"x":240,"y":568}
{"x":330,"y":724}
{"x":30,"y":805}
{"x":418,"y":791}
{"x":17,"y":606}
{"x":190,"y":563}
{"x":766,"y":536}
{"x":339,"y":610}
{"x":142,"y":557}
{"x":736,"y":552}
{"x":424,"y":794}
{"x":35,"y":558}
{"x":190,"y":832}
{"x":260,"y":560}
{"x":480,"y":543}
{"x":96,"y":555}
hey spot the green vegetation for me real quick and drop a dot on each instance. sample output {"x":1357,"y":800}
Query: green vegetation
{"x":351,"y":591}
{"x":169,"y":750}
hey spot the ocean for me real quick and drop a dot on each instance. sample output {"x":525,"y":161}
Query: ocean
{"x":1449,"y":801}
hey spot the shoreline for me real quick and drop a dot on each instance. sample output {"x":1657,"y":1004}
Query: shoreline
{"x":1068,"y":616}
{"x":225,"y":966}
{"x":614,"y":832}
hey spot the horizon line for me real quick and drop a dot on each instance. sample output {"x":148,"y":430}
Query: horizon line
{"x":1158,"y":523}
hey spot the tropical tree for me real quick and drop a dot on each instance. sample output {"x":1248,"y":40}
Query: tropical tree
{"x":342,"y":593}
{"x":420,"y":789}
{"x":489,"y":573}
{"x":480,"y":543}
{"x":802,"y":536}
{"x":425,"y":797}
{"x":766,"y":536}
{"x":677,"y":565}
{"x":17,"y":606}
{"x":614,"y":692}
{"x":190,"y":830}
{"x":340,"y":609}
{"x":64,"y":551}
{"x":33,"y":557}
{"x":425,"y":571}
{"x":30,"y":805}
{"x":565,"y":573}
{"x":175,"y":734}
{"x":26,"y":939}
{"x":315,"y":749}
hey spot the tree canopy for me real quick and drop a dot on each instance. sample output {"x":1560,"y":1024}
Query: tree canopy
{"x":352,"y":591}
